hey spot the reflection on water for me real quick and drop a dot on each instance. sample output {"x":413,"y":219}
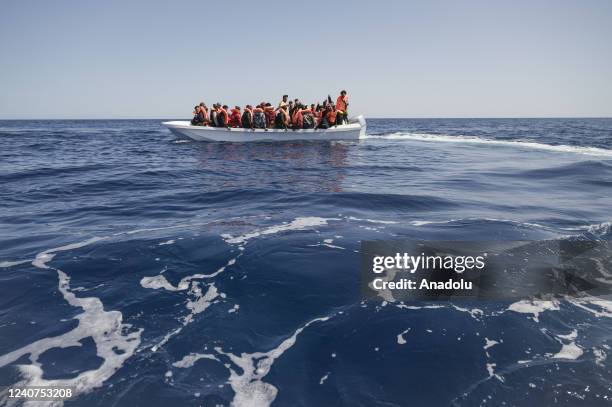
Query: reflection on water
{"x":297,"y":166}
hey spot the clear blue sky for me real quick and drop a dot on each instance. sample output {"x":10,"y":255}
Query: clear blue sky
{"x":156,"y":59}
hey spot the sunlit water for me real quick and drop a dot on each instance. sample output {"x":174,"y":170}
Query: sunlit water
{"x":144,"y":269}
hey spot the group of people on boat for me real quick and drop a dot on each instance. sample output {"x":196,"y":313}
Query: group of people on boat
{"x":288,"y":114}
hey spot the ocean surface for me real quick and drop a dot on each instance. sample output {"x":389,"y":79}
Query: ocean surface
{"x":144,"y":269}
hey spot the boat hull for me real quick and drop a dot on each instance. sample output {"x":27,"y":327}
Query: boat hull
{"x":355,"y":130}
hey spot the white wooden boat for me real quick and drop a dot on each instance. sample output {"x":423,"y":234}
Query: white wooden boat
{"x":354,"y":130}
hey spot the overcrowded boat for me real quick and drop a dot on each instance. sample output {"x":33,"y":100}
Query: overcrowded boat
{"x":290,"y":120}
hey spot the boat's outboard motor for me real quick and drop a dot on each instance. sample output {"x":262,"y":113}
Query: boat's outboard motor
{"x":358,"y":119}
{"x":362,"y":121}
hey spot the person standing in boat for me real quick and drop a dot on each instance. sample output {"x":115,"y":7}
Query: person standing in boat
{"x":283,"y":102}
{"x":342,"y":108}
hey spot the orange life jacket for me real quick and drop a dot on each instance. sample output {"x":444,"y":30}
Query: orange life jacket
{"x":298,"y":118}
{"x":224,"y":113}
{"x":235,"y":118}
{"x":331,"y":117}
{"x":341,"y":103}
{"x":269,"y":112}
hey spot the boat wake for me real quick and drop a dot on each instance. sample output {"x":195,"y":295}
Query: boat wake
{"x":442,"y":138}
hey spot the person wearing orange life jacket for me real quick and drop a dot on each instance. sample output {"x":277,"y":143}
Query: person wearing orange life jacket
{"x":332,"y":114}
{"x":223,"y":116}
{"x":341,"y":108}
{"x":309,"y":120}
{"x":204,"y":110}
{"x":317,"y":112}
{"x":259,"y":117}
{"x":235,"y":117}
{"x":281,"y":120}
{"x":328,"y":117}
{"x":270,"y":114}
{"x":296,"y":117}
{"x":297,"y":120}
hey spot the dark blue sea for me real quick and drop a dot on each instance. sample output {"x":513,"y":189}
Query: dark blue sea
{"x":142,"y":269}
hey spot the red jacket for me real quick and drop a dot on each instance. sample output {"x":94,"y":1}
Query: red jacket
{"x":235,"y":117}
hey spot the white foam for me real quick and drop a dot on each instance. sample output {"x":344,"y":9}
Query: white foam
{"x":535,"y":307}
{"x":192,"y":358}
{"x":605,"y":306}
{"x":327,"y":243}
{"x":404,"y":306}
{"x":570,"y":336}
{"x":324,"y":378}
{"x":489,"y":343}
{"x":115,"y":341}
{"x":196,"y":304}
{"x":600,"y":356}
{"x":383,"y":222}
{"x":248,"y":386}
{"x":159,"y":281}
{"x":400,"y":337}
{"x":167,"y":242}
{"x":568,"y":350}
{"x":301,"y":223}
{"x":475,"y":313}
{"x":507,"y":143}
{"x":7,"y":264}
{"x":46,"y":256}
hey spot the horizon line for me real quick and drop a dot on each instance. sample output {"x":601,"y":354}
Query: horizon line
{"x":372,"y":118}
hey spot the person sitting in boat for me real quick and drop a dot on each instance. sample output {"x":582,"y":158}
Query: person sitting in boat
{"x":235,"y":117}
{"x":213,"y":115}
{"x":291,"y":107}
{"x":302,"y":118}
{"x":341,"y":108}
{"x":204,"y":110}
{"x":223,"y":116}
{"x":247,"y":117}
{"x":296,"y":103}
{"x":259,"y":117}
{"x":270,"y":113}
{"x":296,"y":118}
{"x":281,"y":121}
{"x":316,"y":112}
{"x":198,"y":117}
{"x":328,"y":117}
{"x":308,"y":119}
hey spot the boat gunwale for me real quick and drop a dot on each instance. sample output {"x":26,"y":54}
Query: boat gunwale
{"x":187,"y":125}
